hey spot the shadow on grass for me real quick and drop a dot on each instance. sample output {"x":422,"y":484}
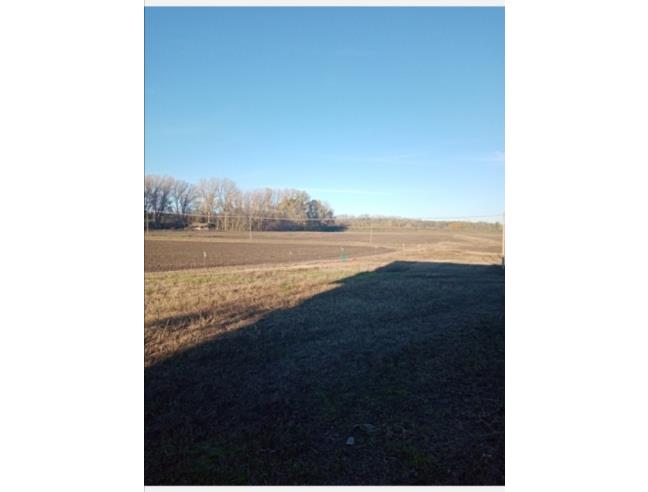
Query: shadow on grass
{"x":408,"y":360}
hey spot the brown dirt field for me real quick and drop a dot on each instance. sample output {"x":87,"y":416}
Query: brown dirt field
{"x":179,"y":250}
{"x":392,"y":238}
{"x":167,"y":255}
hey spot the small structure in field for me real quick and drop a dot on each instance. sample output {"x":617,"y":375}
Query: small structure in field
{"x":199,"y":226}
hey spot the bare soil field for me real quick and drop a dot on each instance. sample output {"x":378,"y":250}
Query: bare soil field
{"x":178,"y":255}
{"x":390,"y":238}
{"x":178,"y":250}
{"x":378,"y":369}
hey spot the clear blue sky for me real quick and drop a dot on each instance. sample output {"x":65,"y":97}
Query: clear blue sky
{"x":391,"y":111}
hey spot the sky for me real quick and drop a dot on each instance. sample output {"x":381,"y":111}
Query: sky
{"x":380,"y":111}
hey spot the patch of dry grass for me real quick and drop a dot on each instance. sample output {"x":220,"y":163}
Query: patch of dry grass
{"x":185,"y":308}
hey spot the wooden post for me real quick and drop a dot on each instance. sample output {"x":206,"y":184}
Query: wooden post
{"x":250,"y":225}
{"x":503,"y":240}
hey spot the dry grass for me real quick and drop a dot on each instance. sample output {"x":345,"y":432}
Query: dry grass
{"x":258,"y":375}
{"x":186,"y":308}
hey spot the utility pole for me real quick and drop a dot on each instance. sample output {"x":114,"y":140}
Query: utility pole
{"x":503,"y":240}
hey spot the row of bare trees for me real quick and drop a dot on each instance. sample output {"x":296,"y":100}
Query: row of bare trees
{"x":219,"y":203}
{"x":365,"y":222}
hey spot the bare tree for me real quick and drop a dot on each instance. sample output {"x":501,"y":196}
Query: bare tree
{"x":183,"y":195}
{"x":294,"y":206}
{"x":157,"y":195}
{"x":206,"y":192}
{"x":230,"y":209}
{"x":227,"y":193}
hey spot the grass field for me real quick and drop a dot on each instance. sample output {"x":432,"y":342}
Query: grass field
{"x":265,"y":369}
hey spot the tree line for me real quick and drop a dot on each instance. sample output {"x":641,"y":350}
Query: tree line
{"x":365,"y":222}
{"x":218,"y":203}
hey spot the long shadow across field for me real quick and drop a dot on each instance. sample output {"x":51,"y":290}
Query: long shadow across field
{"x":408,"y":361}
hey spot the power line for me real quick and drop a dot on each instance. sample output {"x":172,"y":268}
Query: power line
{"x":463,"y":217}
{"x":258,"y":217}
{"x":235,"y":216}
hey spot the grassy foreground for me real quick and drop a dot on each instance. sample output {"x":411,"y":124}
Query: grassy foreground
{"x":386,"y":371}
